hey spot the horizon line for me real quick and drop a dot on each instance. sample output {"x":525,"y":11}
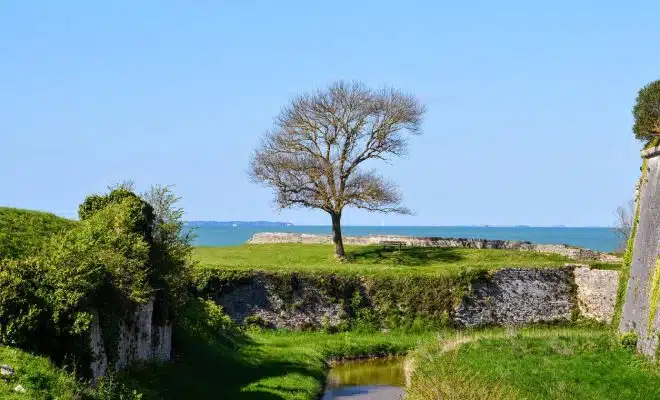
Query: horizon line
{"x":421,"y":226}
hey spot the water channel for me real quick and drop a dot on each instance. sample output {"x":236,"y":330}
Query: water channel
{"x":381,"y":379}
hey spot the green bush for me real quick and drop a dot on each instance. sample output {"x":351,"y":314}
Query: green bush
{"x":122,"y":253}
{"x":255,"y":322}
{"x":143,"y":221}
{"x":23,"y":302}
{"x":205,"y":320}
{"x":629,"y":340}
{"x":111,"y":388}
{"x":171,"y":252}
{"x":647,"y":112}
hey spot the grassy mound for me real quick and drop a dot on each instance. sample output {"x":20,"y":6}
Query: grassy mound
{"x":532,"y":364}
{"x":23,"y":232}
{"x":37,"y":375}
{"x":371,"y":260}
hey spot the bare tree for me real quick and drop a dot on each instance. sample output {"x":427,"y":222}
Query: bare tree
{"x":316,"y":154}
{"x":624,"y":222}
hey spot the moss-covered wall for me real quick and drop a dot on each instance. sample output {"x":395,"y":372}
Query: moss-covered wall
{"x":298,"y":300}
{"x":640,"y":275}
{"x":624,"y":275}
{"x":335,"y":302}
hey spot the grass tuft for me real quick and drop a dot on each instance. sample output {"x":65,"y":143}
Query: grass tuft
{"x":534,"y":363}
{"x":39,"y":377}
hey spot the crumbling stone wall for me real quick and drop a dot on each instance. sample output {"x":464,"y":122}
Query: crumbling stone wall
{"x":305,"y":306}
{"x":517,"y":297}
{"x":514,"y":296}
{"x":140,"y":339}
{"x":596,"y":292}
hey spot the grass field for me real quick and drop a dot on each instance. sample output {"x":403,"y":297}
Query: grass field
{"x":38,"y":376}
{"x":558,"y":364}
{"x":371,"y":260}
{"x":264,"y":365}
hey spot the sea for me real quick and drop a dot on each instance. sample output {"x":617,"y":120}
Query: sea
{"x":602,"y":239}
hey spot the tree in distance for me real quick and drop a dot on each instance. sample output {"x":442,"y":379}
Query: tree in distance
{"x":624,"y":222}
{"x":647,"y":112}
{"x":317,"y":153}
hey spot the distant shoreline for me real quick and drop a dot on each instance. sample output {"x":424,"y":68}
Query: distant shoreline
{"x":282,"y":223}
{"x":602,"y":239}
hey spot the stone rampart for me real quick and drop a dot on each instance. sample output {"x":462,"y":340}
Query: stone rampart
{"x":642,"y":293}
{"x":507,"y":297}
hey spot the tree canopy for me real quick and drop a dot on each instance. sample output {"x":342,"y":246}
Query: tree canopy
{"x":316,"y":155}
{"x":647,"y":112}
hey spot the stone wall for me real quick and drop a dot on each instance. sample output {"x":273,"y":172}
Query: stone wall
{"x":259,"y":297}
{"x":514,"y":296}
{"x":568,"y":251}
{"x":140,"y":339}
{"x":642,"y":292}
{"x":596,"y":292}
{"x":518,"y":297}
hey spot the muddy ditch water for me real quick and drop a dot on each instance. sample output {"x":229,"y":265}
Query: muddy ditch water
{"x":381,"y":379}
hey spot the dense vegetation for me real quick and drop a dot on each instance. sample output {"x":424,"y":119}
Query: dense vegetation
{"x":532,"y":364}
{"x":126,"y":250}
{"x":647,"y":112}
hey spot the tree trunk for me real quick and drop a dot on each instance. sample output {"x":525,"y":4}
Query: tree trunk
{"x":336,"y":235}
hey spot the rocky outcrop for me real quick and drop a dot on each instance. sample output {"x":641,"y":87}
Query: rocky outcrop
{"x":568,"y":251}
{"x":139,"y":339}
{"x":596,"y":292}
{"x":639,"y":313}
{"x":518,"y":297}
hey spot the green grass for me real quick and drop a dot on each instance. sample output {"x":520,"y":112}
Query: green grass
{"x":532,"y":364}
{"x":371,"y":260}
{"x":23,"y":232}
{"x":264,"y":365}
{"x":40,"y":378}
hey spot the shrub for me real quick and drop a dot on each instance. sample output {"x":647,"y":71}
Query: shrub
{"x":171,"y":253}
{"x":103,"y":250}
{"x":647,"y":112}
{"x":252,"y":322}
{"x":111,"y":388}
{"x":629,"y":340}
{"x":120,"y":254}
{"x":46,"y":301}
{"x":143,"y":221}
{"x":205,"y":320}
{"x":23,"y":305}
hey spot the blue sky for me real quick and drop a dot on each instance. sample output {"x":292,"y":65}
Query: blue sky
{"x":529,"y":106}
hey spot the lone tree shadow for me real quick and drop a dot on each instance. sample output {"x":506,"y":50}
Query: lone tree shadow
{"x":411,"y":256}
